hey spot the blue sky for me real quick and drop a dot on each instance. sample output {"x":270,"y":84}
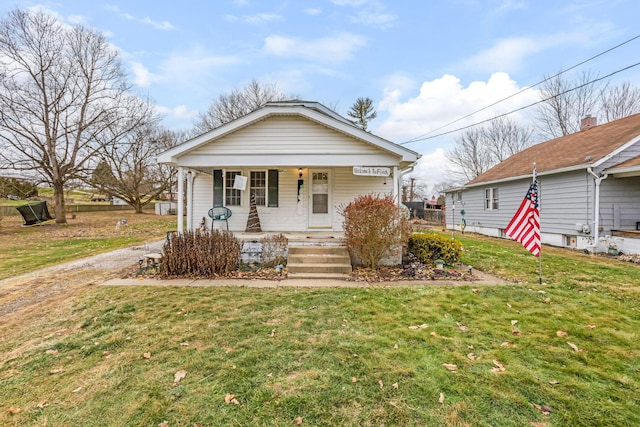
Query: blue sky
{"x":424,"y":63}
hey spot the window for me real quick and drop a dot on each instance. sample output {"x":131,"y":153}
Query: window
{"x":491,"y":198}
{"x":456,"y":196}
{"x":232,"y":196}
{"x":258,"y":187}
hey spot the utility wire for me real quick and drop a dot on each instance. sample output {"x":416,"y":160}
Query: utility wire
{"x":524,"y":107}
{"x":422,"y":137}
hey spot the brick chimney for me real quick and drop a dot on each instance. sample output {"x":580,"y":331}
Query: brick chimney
{"x":588,"y":122}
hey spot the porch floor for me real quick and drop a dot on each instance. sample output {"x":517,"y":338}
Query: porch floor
{"x":632,"y":234}
{"x":336,"y":237}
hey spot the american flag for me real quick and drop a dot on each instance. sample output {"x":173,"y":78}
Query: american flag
{"x":525,"y":224}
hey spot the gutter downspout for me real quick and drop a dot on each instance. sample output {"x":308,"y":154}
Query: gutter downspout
{"x":398,"y":182}
{"x":596,"y":209}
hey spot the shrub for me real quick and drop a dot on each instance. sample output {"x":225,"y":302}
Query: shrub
{"x":207,"y":254}
{"x":373,"y":225}
{"x":274,"y":250}
{"x":428,"y":247}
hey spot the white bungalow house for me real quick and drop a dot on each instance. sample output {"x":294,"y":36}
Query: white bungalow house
{"x":589,"y":189}
{"x":300,"y":160}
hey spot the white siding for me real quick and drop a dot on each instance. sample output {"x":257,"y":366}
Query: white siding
{"x":287,"y":217}
{"x":284,"y":135}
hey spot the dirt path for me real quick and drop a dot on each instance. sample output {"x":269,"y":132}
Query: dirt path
{"x":59,"y":281}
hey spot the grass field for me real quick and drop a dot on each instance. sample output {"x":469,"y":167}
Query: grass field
{"x":564,"y":353}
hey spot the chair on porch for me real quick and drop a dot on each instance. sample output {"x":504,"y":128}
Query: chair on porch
{"x":220,"y":214}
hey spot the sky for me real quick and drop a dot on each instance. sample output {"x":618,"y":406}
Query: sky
{"x":424,"y":63}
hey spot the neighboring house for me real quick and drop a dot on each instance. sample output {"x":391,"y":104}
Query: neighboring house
{"x":300,"y":160}
{"x":589,"y":186}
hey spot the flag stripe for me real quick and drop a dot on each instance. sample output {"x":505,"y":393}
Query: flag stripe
{"x":525,"y":224}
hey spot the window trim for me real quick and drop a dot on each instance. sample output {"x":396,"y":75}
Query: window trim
{"x":491,"y":199}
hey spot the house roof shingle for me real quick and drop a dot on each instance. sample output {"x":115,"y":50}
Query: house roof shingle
{"x":578,"y":149}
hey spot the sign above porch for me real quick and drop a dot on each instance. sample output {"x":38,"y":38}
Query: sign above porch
{"x":371,"y":171}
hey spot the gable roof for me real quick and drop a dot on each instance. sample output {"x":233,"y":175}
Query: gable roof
{"x":579,"y":150}
{"x":313,"y":111}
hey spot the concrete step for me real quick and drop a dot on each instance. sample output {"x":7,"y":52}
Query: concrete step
{"x":338,"y":276}
{"x":318,"y":268}
{"x":318,"y":249}
{"x":318,"y":261}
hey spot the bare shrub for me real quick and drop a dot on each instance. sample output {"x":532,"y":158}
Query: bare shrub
{"x":198,"y":254}
{"x":373,"y":226}
{"x":274,"y":250}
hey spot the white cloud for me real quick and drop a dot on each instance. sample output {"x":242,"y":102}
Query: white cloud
{"x":159,"y":25}
{"x":438,"y":103}
{"x":180,"y":112}
{"x":334,"y":49}
{"x":313,"y":11}
{"x":141,"y":75}
{"x":76,"y":19}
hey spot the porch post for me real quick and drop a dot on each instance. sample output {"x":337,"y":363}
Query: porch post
{"x":180,"y":213}
{"x":191,"y":175}
{"x":396,"y":185}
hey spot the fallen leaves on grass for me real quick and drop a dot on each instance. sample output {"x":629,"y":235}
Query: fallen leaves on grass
{"x":43,"y":403}
{"x":590,"y":326}
{"x":554,"y":382}
{"x":573,"y":346}
{"x":52,"y":352}
{"x":146,"y":355}
{"x":380,"y":383}
{"x":354,"y":380}
{"x":562,"y":334}
{"x":498,"y":368}
{"x":546,"y":410}
{"x":471,"y":356}
{"x":57,"y":370}
{"x":513,"y":322}
{"x":461,"y":326}
{"x":14,"y":410}
{"x":450,"y":366}
{"x":516,"y":332}
{"x":230,"y":398}
{"x":507,"y":344}
{"x":441,"y":398}
{"x":423,"y":326}
{"x":179,"y":376}
{"x":298,"y":420}
{"x":395,"y":386}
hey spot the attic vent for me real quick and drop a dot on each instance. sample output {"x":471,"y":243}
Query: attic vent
{"x":588,"y":122}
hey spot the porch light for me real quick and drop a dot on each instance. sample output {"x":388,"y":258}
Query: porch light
{"x":300,"y":173}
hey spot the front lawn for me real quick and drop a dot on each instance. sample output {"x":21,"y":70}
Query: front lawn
{"x":562,"y":353}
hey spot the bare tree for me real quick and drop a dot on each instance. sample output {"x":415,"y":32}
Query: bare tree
{"x":566,"y":102}
{"x":61,"y":89}
{"x":619,"y":101}
{"x":478,"y":149}
{"x":504,"y":137}
{"x":362,"y":112}
{"x":469,"y":155}
{"x":128,"y":168}
{"x":238,"y":103}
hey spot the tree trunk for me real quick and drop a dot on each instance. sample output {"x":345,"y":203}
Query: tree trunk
{"x":58,"y":197}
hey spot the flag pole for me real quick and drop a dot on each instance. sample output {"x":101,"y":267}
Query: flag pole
{"x":535,"y":179}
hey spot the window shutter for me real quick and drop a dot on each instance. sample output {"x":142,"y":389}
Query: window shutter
{"x":218,"y":188}
{"x":272,"y":182}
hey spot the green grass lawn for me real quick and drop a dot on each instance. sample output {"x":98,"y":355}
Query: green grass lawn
{"x":565,"y":353}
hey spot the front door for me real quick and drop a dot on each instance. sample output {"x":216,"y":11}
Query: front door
{"x":320,"y":199}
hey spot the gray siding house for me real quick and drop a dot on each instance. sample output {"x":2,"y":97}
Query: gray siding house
{"x":300,"y":160}
{"x":589,"y":189}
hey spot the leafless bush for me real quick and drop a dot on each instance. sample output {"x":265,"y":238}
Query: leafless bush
{"x":274,"y":250}
{"x":200,"y":254}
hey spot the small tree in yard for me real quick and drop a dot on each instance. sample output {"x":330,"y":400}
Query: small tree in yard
{"x":373,"y":226}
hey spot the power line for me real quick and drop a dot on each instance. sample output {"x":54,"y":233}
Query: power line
{"x":422,"y":137}
{"x":524,"y":107}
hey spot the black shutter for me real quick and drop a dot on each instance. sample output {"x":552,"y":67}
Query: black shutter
{"x":218,"y":188}
{"x":272,"y":183}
